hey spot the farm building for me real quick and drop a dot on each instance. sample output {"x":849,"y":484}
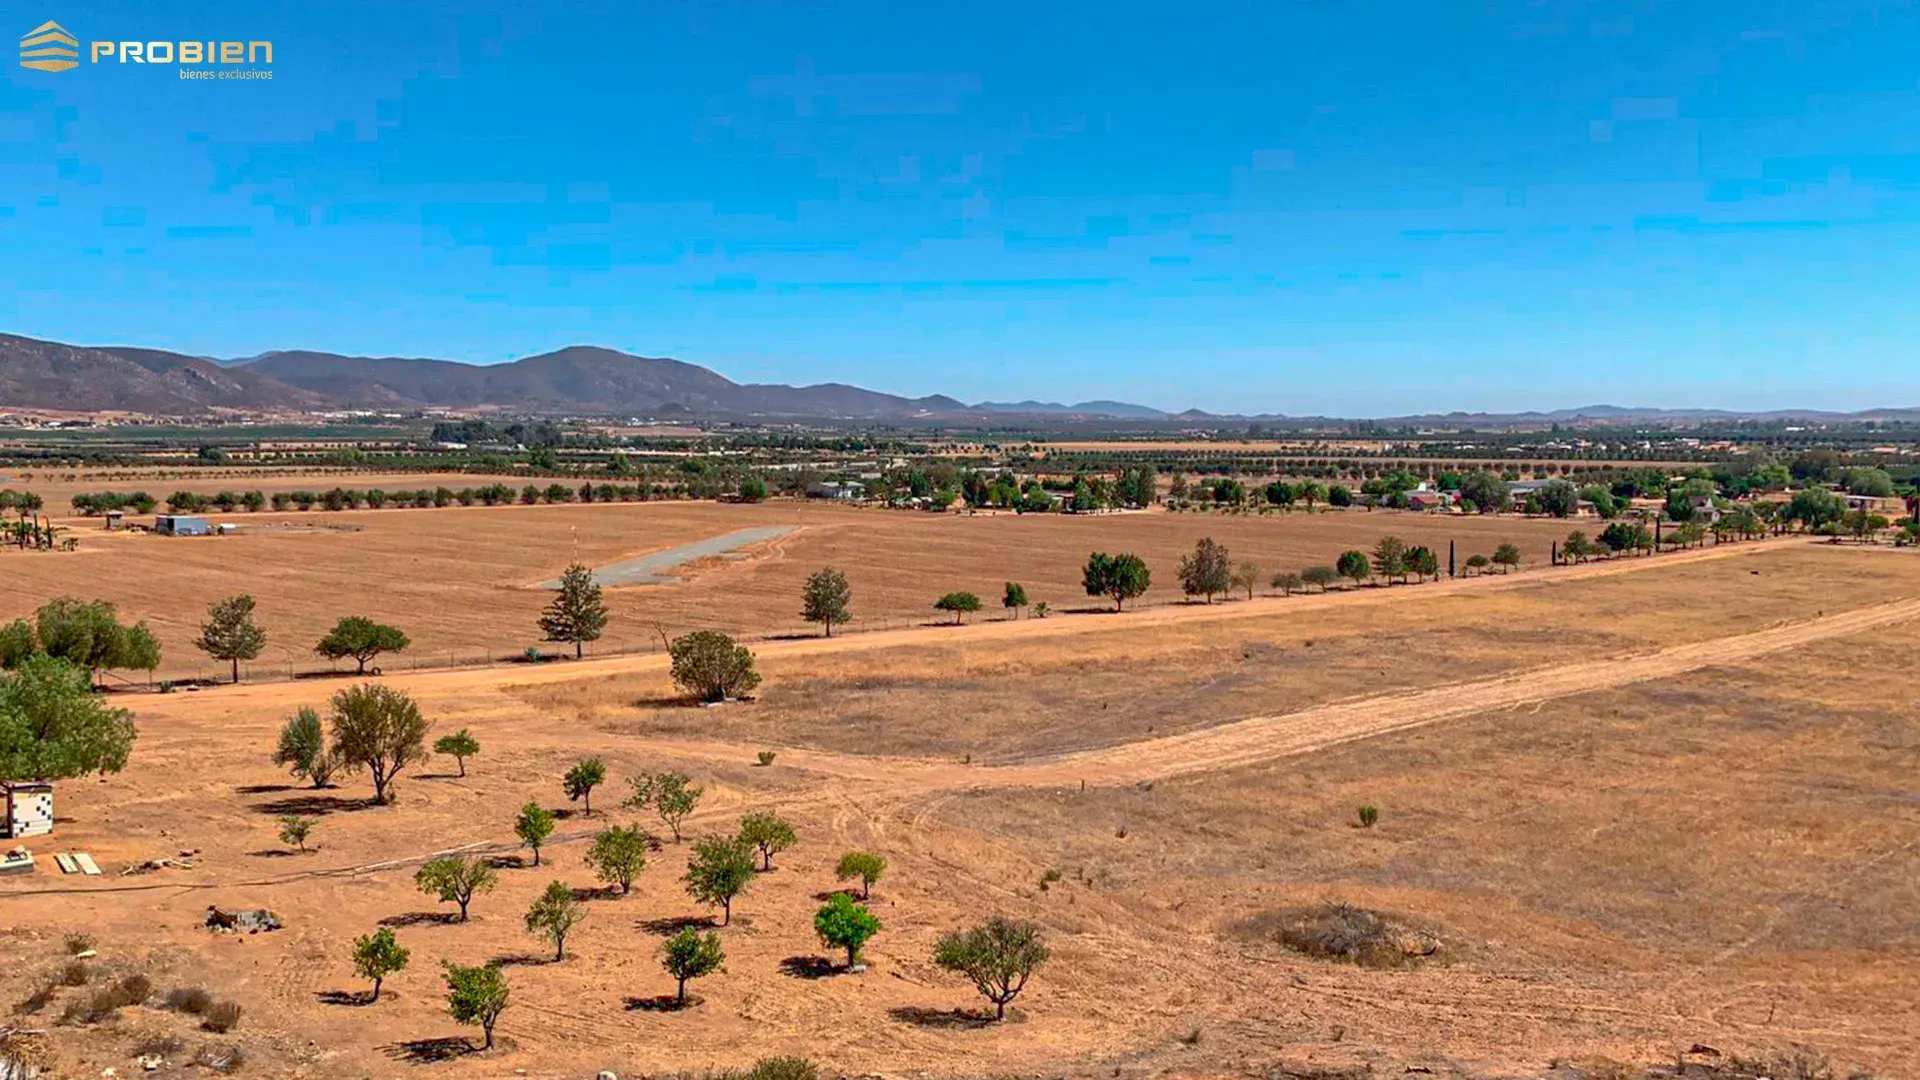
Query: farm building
{"x":115,"y":518}
{"x":181,"y":525}
{"x":29,"y":808}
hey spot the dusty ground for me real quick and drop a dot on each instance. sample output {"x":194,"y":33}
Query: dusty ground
{"x":1645,"y":805}
{"x":463,"y":582}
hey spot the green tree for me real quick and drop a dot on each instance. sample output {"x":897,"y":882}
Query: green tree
{"x":459,"y":746}
{"x":1422,"y":563}
{"x":1353,"y":566}
{"x":533,"y":826}
{"x":1207,"y":571}
{"x":378,"y":955}
{"x":843,"y":924}
{"x":1869,"y":481}
{"x":767,"y":832}
{"x":1014,"y":598}
{"x":618,"y":855}
{"x":294,"y":830}
{"x":1486,"y":491}
{"x":691,"y":955}
{"x":753,"y":489}
{"x":998,"y":957}
{"x":863,"y":865}
{"x":580,"y":781}
{"x":1390,"y":558}
{"x":1604,"y":504}
{"x":303,"y":749}
{"x":1476,"y":564}
{"x":90,"y":635}
{"x":1559,"y":498}
{"x":1288,"y":582}
{"x":455,"y":880}
{"x":720,"y":869}
{"x":1577,"y":547}
{"x":553,"y":916}
{"x":1118,"y":577}
{"x":710,"y":666}
{"x":576,"y":613}
{"x":1247,"y":576}
{"x":477,"y":996}
{"x":1323,"y":576}
{"x":1339,"y":495}
{"x":230,"y":634}
{"x":53,"y":727}
{"x":960,"y":603}
{"x":1507,"y":556}
{"x":668,"y":794}
{"x":361,"y":638}
{"x":379,"y":729}
{"x":825,"y":597}
{"x":1812,"y":507}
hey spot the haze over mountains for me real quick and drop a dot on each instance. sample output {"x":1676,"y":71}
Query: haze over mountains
{"x":578,"y":380}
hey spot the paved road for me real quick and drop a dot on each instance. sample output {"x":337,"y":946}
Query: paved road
{"x":651,"y":568}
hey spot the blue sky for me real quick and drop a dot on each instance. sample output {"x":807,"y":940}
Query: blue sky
{"x":1360,"y":209}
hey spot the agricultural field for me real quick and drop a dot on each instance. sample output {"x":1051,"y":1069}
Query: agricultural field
{"x":1618,"y":815}
{"x":463,"y":582}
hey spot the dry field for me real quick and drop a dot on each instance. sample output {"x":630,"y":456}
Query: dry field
{"x":57,"y":487}
{"x":462,"y":581}
{"x":1641,"y":806}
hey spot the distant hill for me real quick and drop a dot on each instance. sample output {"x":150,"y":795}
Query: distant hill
{"x":1119,"y":410}
{"x":50,"y":375}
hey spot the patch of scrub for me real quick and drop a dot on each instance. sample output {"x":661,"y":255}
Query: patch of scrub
{"x":652,"y":568}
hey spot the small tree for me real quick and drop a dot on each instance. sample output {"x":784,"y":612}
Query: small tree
{"x":707,"y":664}
{"x":998,"y":956}
{"x":668,"y":794}
{"x":459,"y":746}
{"x":1390,"y":558}
{"x":1422,"y":563}
{"x":1118,"y":577}
{"x":1477,"y":564}
{"x":576,"y":613}
{"x":1353,"y":566}
{"x":960,"y":603}
{"x":229,"y":633}
{"x":378,"y":955}
{"x":456,"y":880}
{"x":477,"y":995}
{"x":1206,"y":571}
{"x":1323,"y":576}
{"x":843,"y":924}
{"x":691,"y":955}
{"x":1247,"y":576}
{"x":825,"y":597}
{"x":533,"y":826}
{"x":379,"y":729}
{"x":553,"y":915}
{"x":361,"y":638}
{"x":766,"y":831}
{"x":1507,"y":557}
{"x":864,"y":865}
{"x":580,"y":781}
{"x":618,"y":855}
{"x":720,"y":869}
{"x":294,"y":830}
{"x":303,"y":749}
{"x":1015,"y":598}
{"x":1287,"y":582}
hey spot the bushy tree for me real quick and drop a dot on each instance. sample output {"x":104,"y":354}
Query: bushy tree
{"x":1323,"y":576}
{"x":1577,"y":547}
{"x":533,"y":826}
{"x":378,"y":955}
{"x":1477,"y":564}
{"x":1559,"y":498}
{"x":825,"y":598}
{"x":1486,"y":491}
{"x":230,"y":634}
{"x":553,"y":916}
{"x":1014,"y":598}
{"x":294,"y":830}
{"x":710,"y":666}
{"x":1422,"y":563}
{"x":89,"y":635}
{"x":361,"y":638}
{"x":618,"y":855}
{"x":1288,"y":582}
{"x":959,"y":603}
{"x":864,"y":866}
{"x":1247,"y":576}
{"x":53,"y":727}
{"x":1390,"y":558}
{"x":576,"y":613}
{"x":767,"y":832}
{"x":668,"y":794}
{"x":1354,"y":566}
{"x":379,"y":729}
{"x":1507,"y":557}
{"x":690,"y":954}
{"x":720,"y":869}
{"x":477,"y":996}
{"x":451,"y":879}
{"x":1117,"y":577}
{"x":303,"y":749}
{"x":459,"y":746}
{"x":998,"y":957}
{"x":1814,"y":507}
{"x":1206,"y":571}
{"x":843,"y":924}
{"x":581,"y":779}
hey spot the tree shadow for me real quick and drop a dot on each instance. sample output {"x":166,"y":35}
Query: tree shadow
{"x":949,"y":1019}
{"x":344,"y":997}
{"x":439,"y":776}
{"x":520,"y":960}
{"x":849,"y":892}
{"x":421,"y":918}
{"x":314,"y":805}
{"x":661,"y":1003}
{"x":597,"y":892}
{"x":675,"y":702}
{"x":273,"y":853}
{"x":261,"y":789}
{"x":427,"y":1051}
{"x":667,"y":927}
{"x":505,"y":862}
{"x":807,"y":967}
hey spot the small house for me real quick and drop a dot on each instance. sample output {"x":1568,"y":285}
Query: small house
{"x":29,"y":808}
{"x":181,"y":525}
{"x":1427,"y":500}
{"x":115,"y":518}
{"x":836,"y":490}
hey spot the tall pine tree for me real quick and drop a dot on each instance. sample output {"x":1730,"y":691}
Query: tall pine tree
{"x":576,"y":613}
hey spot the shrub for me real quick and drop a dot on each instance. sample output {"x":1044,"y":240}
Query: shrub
{"x":710,"y":666}
{"x":586,"y":774}
{"x":618,"y":854}
{"x":75,"y":973}
{"x":454,"y":879}
{"x":36,"y":1001}
{"x":769,"y":833}
{"x":190,"y":1000}
{"x":378,"y":955}
{"x":221,"y":1017}
{"x":690,"y":955}
{"x":533,"y":826}
{"x":79,"y":943}
{"x":1369,"y":816}
{"x":294,"y":830}
{"x":477,"y":995}
{"x":136,"y":988}
{"x":783,"y":1068}
{"x":843,"y":924}
{"x":863,"y":865}
{"x":460,"y":745}
{"x":764,"y":758}
{"x":1341,"y":931}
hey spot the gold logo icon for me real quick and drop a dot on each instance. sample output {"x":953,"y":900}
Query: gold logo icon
{"x":49,"y":48}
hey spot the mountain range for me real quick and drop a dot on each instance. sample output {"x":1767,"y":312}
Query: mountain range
{"x":585,"y":380}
